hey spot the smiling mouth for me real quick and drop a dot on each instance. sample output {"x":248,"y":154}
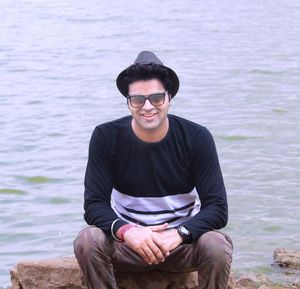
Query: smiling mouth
{"x":149,"y":116}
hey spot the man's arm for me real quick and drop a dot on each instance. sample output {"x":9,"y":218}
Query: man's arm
{"x":99,"y":183}
{"x":210,"y":187}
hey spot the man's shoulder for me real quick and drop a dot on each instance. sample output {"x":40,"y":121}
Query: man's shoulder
{"x":186,"y":124}
{"x":120,"y":123}
{"x":109,"y":131}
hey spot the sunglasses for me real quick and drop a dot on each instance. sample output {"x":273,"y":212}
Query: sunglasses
{"x":138,"y":101}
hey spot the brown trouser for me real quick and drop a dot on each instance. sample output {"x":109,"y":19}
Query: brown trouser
{"x":98,"y":256}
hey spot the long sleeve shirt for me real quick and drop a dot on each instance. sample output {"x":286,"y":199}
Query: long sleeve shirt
{"x":177,"y":180}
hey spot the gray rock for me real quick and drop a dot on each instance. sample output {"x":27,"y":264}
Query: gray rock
{"x":262,"y":278}
{"x":263,"y":287}
{"x":252,"y":281}
{"x":157,"y":280}
{"x":60,"y":273}
{"x":232,"y":281}
{"x":15,"y":279}
{"x":287,"y":258}
{"x":246,"y":281}
{"x":64,"y":273}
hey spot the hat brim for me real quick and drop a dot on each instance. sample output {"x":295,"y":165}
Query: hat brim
{"x":173,"y":77}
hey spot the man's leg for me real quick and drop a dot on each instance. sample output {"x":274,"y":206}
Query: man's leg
{"x":211,"y":256}
{"x":214,"y":270}
{"x":92,"y":250}
{"x":98,"y":256}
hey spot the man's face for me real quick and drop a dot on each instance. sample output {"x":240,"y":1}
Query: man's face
{"x":149,"y":117}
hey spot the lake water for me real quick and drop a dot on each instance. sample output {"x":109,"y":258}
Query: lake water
{"x":239,"y":66}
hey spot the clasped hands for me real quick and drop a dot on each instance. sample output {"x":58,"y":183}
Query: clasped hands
{"x":152,"y":243}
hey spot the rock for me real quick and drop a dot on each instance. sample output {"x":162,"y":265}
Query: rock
{"x":232,"y":281}
{"x":157,"y":280}
{"x":263,"y":287}
{"x":64,"y":273}
{"x":252,"y":281}
{"x":60,"y":273}
{"x":287,"y":258}
{"x":262,"y":279}
{"x":246,"y":281}
{"x":15,"y":279}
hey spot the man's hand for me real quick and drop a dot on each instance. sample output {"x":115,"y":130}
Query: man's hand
{"x":147,"y":243}
{"x":170,"y":238}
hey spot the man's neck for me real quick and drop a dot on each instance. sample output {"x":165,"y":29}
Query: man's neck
{"x":154,"y":135}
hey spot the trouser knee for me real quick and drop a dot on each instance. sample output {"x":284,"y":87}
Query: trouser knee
{"x":215,"y":247}
{"x":90,"y":241}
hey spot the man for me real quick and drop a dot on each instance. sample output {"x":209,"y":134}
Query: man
{"x":154,"y":192}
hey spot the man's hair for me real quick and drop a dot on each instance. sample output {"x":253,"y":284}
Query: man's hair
{"x":146,"y":72}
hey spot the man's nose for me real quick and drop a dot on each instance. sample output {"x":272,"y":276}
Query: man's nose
{"x":147,"y":104}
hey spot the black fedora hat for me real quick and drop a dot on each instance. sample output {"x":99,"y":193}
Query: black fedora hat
{"x":148,"y":57}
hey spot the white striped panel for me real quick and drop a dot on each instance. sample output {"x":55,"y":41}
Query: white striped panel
{"x":148,"y":204}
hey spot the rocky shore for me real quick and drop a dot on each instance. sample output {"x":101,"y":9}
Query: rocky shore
{"x":64,"y":273}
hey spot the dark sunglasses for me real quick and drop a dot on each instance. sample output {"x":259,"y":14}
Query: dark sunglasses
{"x":156,"y":99}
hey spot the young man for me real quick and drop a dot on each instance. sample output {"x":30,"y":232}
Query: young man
{"x":154,"y":192}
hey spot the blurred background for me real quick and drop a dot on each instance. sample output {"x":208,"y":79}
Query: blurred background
{"x":239,"y":67}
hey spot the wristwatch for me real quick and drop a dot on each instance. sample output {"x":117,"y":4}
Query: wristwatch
{"x":184,"y":233}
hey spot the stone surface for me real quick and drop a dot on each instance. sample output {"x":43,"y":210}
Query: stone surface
{"x":64,"y":273}
{"x":246,"y":281}
{"x":263,"y":287}
{"x":262,"y":278}
{"x":15,"y":279}
{"x":251,"y":279}
{"x":232,"y":281}
{"x":60,"y":273}
{"x":157,"y":280}
{"x":287,"y":258}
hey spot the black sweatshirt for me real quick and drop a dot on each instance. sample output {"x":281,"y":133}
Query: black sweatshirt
{"x":177,"y":180}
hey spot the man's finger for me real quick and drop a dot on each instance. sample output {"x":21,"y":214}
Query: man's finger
{"x":161,"y":245}
{"x":158,"y":254}
{"x":158,"y":228}
{"x":147,"y":255}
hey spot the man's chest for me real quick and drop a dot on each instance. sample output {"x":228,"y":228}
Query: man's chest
{"x":152,"y":172}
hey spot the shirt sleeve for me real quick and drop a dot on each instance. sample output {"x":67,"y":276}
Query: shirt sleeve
{"x":210,"y":187}
{"x":98,"y":185}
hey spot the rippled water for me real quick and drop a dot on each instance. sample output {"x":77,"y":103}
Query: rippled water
{"x":239,"y":66}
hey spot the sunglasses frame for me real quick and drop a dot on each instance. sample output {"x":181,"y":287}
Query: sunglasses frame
{"x":146,"y":97}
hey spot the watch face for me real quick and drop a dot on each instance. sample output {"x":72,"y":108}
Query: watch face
{"x":184,"y":230}
{"x":185,"y":234}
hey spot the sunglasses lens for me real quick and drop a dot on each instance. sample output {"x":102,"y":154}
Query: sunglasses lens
{"x":137,"y":100}
{"x":157,"y":98}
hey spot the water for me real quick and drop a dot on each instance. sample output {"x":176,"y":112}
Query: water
{"x":238,"y":62}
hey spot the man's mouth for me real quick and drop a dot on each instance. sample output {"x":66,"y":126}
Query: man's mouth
{"x":149,"y":116}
